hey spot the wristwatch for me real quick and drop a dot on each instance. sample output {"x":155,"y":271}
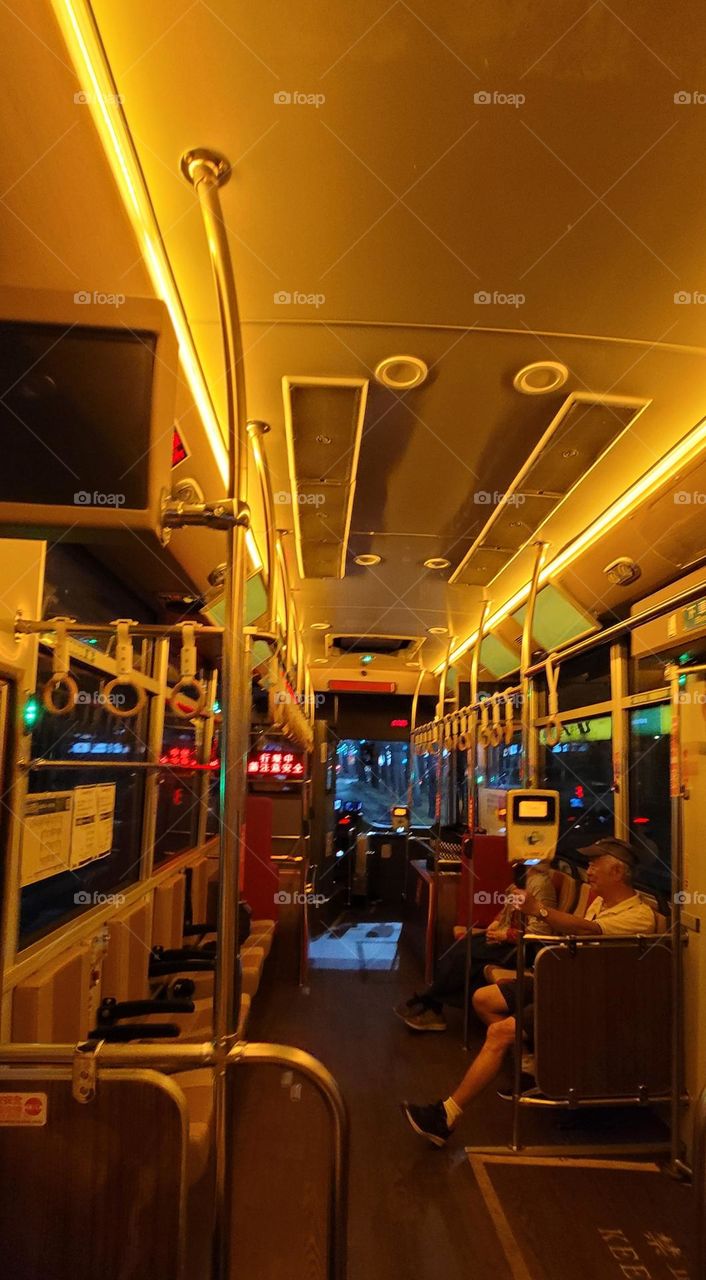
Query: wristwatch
{"x":543,"y":912}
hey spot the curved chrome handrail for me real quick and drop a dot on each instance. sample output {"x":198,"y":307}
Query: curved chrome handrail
{"x":285,"y":1056}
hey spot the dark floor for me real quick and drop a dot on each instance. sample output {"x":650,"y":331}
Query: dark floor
{"x":413,"y":1211}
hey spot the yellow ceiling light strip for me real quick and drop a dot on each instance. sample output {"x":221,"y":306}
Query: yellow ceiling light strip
{"x":665,"y":469}
{"x":78,"y":27}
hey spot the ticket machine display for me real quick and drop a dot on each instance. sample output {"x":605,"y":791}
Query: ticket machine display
{"x":532,"y":825}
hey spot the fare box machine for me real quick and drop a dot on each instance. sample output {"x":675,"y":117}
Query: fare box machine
{"x":532,"y":824}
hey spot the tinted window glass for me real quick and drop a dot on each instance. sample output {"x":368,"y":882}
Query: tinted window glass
{"x":580,"y":768}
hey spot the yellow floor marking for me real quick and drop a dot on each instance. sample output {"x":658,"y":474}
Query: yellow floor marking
{"x":511,"y":1248}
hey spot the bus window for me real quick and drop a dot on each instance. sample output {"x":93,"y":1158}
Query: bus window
{"x":88,"y":733}
{"x":179,"y":785}
{"x":375,"y":774}
{"x":580,"y":768}
{"x":650,"y":805}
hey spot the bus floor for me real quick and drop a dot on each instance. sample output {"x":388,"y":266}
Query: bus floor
{"x":415,"y":1211}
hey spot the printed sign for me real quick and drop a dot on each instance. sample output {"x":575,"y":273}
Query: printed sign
{"x":27,"y":1109}
{"x":94,"y":809}
{"x":694,"y":615}
{"x":46,"y":835}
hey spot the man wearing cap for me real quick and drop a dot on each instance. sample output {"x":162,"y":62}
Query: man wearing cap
{"x":616,"y":909}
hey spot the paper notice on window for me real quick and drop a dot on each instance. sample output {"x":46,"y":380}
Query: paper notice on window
{"x":46,"y":835}
{"x":105,"y":817}
{"x":83,"y":839}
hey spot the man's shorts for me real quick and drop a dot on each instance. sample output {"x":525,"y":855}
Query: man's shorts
{"x":508,"y":990}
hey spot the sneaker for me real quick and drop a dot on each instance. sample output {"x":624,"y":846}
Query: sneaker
{"x":429,"y":1122}
{"x":426,"y":1020}
{"x":527,"y":1085}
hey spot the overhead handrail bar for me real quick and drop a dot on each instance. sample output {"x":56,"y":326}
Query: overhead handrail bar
{"x":257,"y":430}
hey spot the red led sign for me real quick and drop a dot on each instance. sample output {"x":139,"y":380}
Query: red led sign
{"x":362,"y":686}
{"x":179,"y":449}
{"x":185,"y":758}
{"x":276,"y":764}
{"x":399,"y":724}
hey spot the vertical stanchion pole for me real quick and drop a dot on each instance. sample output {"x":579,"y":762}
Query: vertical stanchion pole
{"x":528,"y":756}
{"x":433,"y":922}
{"x":207,"y":171}
{"x":472,"y":815}
{"x":676,"y":788}
{"x":412,"y":775}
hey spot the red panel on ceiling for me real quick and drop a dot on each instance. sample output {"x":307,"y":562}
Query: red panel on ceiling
{"x":362,"y":686}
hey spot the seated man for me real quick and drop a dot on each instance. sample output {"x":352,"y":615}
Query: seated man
{"x":617,"y":909}
{"x":496,"y":946}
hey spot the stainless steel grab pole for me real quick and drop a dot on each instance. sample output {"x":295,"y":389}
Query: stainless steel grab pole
{"x":472,"y":764}
{"x":528,"y":756}
{"x":207,"y":172}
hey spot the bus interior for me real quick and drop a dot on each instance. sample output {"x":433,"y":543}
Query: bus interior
{"x":352,"y":640}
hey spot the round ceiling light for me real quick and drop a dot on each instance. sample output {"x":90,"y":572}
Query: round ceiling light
{"x":401,"y":373}
{"x":320,"y":626}
{"x":541,"y":377}
{"x":438,"y":631}
{"x":368,"y":559}
{"x":437,"y":562}
{"x":320,"y":662}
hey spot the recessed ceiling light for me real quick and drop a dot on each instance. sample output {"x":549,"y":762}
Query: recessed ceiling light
{"x":320,"y":662}
{"x":320,"y":626}
{"x":539,"y":378}
{"x":437,"y":562}
{"x":438,"y":631}
{"x":367,"y":658}
{"x":401,"y":373}
{"x":367,"y":559}
{"x":321,"y":439}
{"x":570,"y":453}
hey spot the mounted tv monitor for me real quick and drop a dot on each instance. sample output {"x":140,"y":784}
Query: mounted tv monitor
{"x":87,"y":397}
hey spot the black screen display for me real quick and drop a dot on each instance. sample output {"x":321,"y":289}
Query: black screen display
{"x":75,"y":407}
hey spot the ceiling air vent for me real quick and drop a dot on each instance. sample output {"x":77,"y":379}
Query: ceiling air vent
{"x":324,"y":423}
{"x":583,"y":430}
{"x":386,"y":646}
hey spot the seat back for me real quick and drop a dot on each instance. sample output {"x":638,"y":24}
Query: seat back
{"x":566,"y":890}
{"x":491,"y":873}
{"x":584,"y":899}
{"x":601,"y":1019}
{"x":97,"y":1188}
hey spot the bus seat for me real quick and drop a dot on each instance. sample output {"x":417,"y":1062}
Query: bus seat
{"x":168,"y":912}
{"x":55,"y":1005}
{"x":98,"y":1188}
{"x":263,"y":932}
{"x":197,"y":900}
{"x":601,"y":1019}
{"x":245,"y":1004}
{"x":488,"y":861}
{"x":129,"y":935}
{"x":566,"y":890}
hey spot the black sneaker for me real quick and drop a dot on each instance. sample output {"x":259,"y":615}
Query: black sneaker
{"x":528,"y":1084}
{"x":429,"y":1122}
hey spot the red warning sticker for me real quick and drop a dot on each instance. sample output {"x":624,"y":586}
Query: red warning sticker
{"x":23,"y":1108}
